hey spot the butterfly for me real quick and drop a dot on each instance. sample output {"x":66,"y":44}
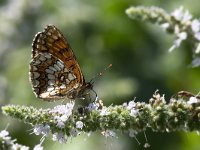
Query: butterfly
{"x":54,"y":71}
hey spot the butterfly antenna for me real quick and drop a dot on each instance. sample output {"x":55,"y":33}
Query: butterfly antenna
{"x":100,"y":73}
{"x":96,"y":96}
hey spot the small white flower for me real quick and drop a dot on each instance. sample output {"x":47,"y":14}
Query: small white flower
{"x":60,"y":124}
{"x":60,"y":120}
{"x":125,"y":104}
{"x":15,"y":146}
{"x":104,"y":112}
{"x":24,"y":148}
{"x":176,"y":29}
{"x":60,"y":137}
{"x":41,"y":129}
{"x":132,"y":133}
{"x":186,"y":17}
{"x":63,"y":112}
{"x":178,"y":13}
{"x":109,"y":133}
{"x":19,"y":147}
{"x":38,"y":129}
{"x":93,"y":106}
{"x":64,"y":109}
{"x":192,"y":100}
{"x":73,"y":132}
{"x":165,"y":26}
{"x":131,"y":105}
{"x":70,"y":105}
{"x":64,"y":118}
{"x":46,"y":129}
{"x":38,"y":147}
{"x":134,"y":112}
{"x":181,"y":37}
{"x":4,"y":133}
{"x":79,"y":124}
{"x":195,"y":25}
{"x":197,"y":36}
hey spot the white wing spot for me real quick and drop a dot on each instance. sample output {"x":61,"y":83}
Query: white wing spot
{"x":48,"y":56}
{"x":34,"y":68}
{"x":43,"y":95}
{"x":35,"y":75}
{"x":63,"y":86}
{"x":52,"y":93}
{"x":67,"y":81}
{"x":35,"y":83}
{"x":49,"y":71}
{"x":42,"y":58}
{"x":52,"y":68}
{"x":57,"y":67}
{"x":36,"y":62}
{"x":50,"y":88}
{"x":71,"y":76}
{"x":54,"y":37}
{"x":51,"y":82}
{"x":60,"y":64}
{"x":51,"y":77}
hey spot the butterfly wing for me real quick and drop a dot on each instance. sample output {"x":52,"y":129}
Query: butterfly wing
{"x":54,"y":70}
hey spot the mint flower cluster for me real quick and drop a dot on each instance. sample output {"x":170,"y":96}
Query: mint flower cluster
{"x":185,"y":28}
{"x":180,"y":23}
{"x":63,"y":121}
{"x":7,"y":143}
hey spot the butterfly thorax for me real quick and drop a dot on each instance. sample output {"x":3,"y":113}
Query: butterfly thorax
{"x":81,"y":92}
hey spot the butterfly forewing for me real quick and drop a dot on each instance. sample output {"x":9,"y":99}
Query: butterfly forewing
{"x":54,"y":71}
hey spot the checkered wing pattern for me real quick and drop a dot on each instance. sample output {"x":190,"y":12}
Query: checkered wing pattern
{"x":54,"y":70}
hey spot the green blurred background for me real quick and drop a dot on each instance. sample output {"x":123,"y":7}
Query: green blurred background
{"x":100,"y":33}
